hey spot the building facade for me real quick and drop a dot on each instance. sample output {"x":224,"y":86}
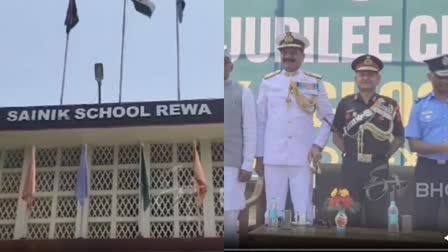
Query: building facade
{"x":113,"y":209}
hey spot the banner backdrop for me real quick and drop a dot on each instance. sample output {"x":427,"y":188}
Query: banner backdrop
{"x":401,"y":32}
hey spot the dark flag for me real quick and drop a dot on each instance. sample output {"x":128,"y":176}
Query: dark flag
{"x":72,"y":16}
{"x":145,"y":7}
{"x":180,"y":5}
{"x":82,"y":179}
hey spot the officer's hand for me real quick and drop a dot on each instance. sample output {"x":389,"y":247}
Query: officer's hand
{"x":244,"y":175}
{"x":259,"y":167}
{"x":315,"y":153}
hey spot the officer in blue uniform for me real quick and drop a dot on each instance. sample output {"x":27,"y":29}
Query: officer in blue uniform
{"x":427,"y":134}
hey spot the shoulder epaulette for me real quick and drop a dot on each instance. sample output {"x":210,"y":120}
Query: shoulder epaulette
{"x":315,"y":75}
{"x":421,"y":98}
{"x":388,"y":99}
{"x":270,"y":75}
{"x":350,"y":96}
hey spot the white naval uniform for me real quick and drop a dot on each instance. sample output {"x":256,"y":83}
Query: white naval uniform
{"x":234,"y":190}
{"x":285,"y":136}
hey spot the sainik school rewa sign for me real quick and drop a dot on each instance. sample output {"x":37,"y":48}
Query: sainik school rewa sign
{"x":112,"y":115}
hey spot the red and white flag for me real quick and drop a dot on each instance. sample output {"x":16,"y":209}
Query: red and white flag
{"x":30,"y":183}
{"x":199,"y":177}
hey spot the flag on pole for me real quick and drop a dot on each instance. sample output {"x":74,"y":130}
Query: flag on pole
{"x":180,"y":6}
{"x":199,"y":177}
{"x":144,"y":183}
{"x":30,"y":183}
{"x":71,"y":18}
{"x":145,"y":7}
{"x":82,"y":179}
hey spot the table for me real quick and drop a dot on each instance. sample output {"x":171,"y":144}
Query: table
{"x":355,"y":237}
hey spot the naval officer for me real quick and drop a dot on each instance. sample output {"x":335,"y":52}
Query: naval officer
{"x":287,"y":141}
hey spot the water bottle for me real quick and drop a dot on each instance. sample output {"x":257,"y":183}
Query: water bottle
{"x":392,"y":214}
{"x":273,"y":214}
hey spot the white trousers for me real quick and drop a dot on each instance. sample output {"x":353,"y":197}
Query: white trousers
{"x":299,"y":180}
{"x":234,"y":197}
{"x":231,"y":225}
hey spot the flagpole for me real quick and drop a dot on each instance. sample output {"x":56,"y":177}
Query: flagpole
{"x":123,"y":29}
{"x":141,"y":205}
{"x":29,"y":188}
{"x":81,"y":222}
{"x":27,"y":217}
{"x":83,"y":152}
{"x":140,"y":198}
{"x":178,"y":56}
{"x":86,"y":158}
{"x":65,"y":66}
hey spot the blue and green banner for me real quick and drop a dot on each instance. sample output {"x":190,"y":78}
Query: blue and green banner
{"x":402,"y":33}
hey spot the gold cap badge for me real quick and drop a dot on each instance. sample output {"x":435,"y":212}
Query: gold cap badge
{"x":368,"y":60}
{"x":288,"y":38}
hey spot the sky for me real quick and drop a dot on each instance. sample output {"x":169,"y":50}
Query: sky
{"x":33,"y":44}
